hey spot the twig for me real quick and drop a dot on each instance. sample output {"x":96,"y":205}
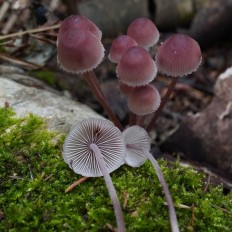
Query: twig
{"x":4,"y":9}
{"x":48,"y":177}
{"x":223,"y":209}
{"x":31,"y":31}
{"x":19,"y":62}
{"x":193,"y":215}
{"x":207,"y":184}
{"x":83,"y":179}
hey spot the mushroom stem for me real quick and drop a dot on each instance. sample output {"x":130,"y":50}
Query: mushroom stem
{"x":132,"y":118}
{"x":110,"y":187}
{"x":140,"y":120}
{"x":171,"y":209}
{"x":163,"y":103}
{"x":91,"y":79}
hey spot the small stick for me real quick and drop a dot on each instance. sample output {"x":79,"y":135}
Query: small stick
{"x":83,"y":179}
{"x":10,"y":23}
{"x":48,"y":177}
{"x":193,"y":215}
{"x":3,"y":10}
{"x":207,"y":184}
{"x":31,"y":31}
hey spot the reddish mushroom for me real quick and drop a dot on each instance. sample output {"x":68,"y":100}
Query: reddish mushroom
{"x":79,"y":50}
{"x":119,"y":46}
{"x":136,"y":67}
{"x":144,"y":32}
{"x":179,"y":55}
{"x":125,"y":90}
{"x":144,"y":100}
{"x":80,"y":22}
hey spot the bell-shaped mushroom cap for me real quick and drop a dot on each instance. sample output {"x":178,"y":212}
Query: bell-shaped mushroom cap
{"x":79,"y":22}
{"x":136,"y":67}
{"x":144,"y":100}
{"x":78,"y":155}
{"x":79,"y":51}
{"x":135,"y":135}
{"x":179,"y":55}
{"x":144,"y":32}
{"x":119,"y":46}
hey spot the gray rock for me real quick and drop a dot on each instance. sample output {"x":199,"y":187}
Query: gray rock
{"x":206,"y":136}
{"x":60,"y":112}
{"x":212,"y":23}
{"x":113,"y":17}
{"x":170,"y":14}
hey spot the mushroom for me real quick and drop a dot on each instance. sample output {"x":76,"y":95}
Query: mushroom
{"x":179,"y":55}
{"x":137,"y":143}
{"x":136,"y":67}
{"x":144,"y":32}
{"x":125,"y":90}
{"x":80,"y":22}
{"x":79,"y":50}
{"x":94,"y":148}
{"x":144,"y":100}
{"x":119,"y":46}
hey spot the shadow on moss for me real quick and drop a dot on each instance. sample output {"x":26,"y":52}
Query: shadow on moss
{"x":33,"y":178}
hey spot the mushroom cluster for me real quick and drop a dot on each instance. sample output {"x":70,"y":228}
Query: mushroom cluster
{"x":177,"y":56}
{"x":97,"y":147}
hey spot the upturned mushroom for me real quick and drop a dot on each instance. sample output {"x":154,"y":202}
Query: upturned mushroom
{"x":94,"y":148}
{"x":137,"y":143}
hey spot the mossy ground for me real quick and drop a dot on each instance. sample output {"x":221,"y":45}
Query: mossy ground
{"x":33,"y":178}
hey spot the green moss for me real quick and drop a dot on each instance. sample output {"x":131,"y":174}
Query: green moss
{"x":33,"y":177}
{"x":46,"y":76}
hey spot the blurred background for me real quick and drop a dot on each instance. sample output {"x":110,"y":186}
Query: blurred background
{"x":28,"y":47}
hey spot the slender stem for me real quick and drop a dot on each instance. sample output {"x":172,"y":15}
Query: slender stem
{"x":171,"y":209}
{"x":140,"y":120}
{"x":163,"y":103}
{"x":132,"y":118}
{"x":172,"y":212}
{"x":73,"y":185}
{"x":110,"y":187}
{"x":96,"y":90}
